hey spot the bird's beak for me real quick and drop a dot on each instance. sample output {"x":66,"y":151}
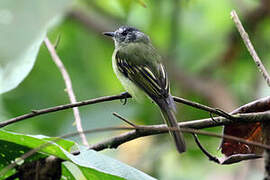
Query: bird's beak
{"x":111,"y":34}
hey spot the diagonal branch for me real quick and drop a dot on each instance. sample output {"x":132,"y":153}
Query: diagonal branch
{"x":202,"y":107}
{"x":69,"y":89}
{"x":125,"y":120}
{"x":250,"y":47}
{"x":266,"y":76}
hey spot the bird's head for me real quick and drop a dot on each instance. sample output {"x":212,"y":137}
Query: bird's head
{"x":125,"y":35}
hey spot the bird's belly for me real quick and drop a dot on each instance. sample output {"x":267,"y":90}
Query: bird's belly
{"x":128,"y":85}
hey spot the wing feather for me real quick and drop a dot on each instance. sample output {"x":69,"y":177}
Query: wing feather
{"x":151,"y":77}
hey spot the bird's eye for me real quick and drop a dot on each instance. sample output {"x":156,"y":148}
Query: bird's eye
{"x":124,"y":33}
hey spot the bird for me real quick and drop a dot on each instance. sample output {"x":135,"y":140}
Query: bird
{"x":139,"y":67}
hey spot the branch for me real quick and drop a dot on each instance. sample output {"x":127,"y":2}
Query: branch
{"x":124,"y":95}
{"x":69,"y":89}
{"x":125,"y":120}
{"x":205,"y":152}
{"x":203,"y":107}
{"x":266,"y":125}
{"x":250,"y":47}
{"x":196,"y":124}
{"x":252,"y":21}
{"x":63,"y":107}
{"x":260,"y":105}
{"x":227,"y":160}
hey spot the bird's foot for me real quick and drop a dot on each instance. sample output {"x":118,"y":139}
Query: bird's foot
{"x":125,"y":96}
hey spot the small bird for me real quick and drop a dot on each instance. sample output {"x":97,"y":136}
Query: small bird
{"x":138,"y":66}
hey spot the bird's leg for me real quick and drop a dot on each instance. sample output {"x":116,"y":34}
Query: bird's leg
{"x":123,"y":101}
{"x":125,"y":96}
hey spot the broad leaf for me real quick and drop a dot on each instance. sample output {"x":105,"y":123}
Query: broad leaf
{"x":88,"y":164}
{"x":23,"y":25}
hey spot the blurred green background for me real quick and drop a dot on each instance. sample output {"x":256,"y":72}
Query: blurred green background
{"x":206,"y":60}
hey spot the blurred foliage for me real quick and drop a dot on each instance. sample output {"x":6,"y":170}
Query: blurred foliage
{"x":204,"y":32}
{"x":18,"y":57}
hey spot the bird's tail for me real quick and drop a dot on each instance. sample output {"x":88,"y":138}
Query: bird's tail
{"x":167,"y":107}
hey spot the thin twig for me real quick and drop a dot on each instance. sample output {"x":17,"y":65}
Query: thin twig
{"x":250,"y":47}
{"x":203,"y":107}
{"x":124,"y":119}
{"x":205,"y":152}
{"x":227,"y":160}
{"x":69,"y":89}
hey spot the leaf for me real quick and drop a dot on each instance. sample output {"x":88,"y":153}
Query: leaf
{"x":32,"y":141}
{"x":251,"y":132}
{"x":90,"y":158}
{"x":23,"y":25}
{"x":88,"y":163}
{"x":71,"y":171}
{"x":10,"y":151}
{"x":248,"y":131}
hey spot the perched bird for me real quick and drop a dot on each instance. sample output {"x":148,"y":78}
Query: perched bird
{"x":138,"y":66}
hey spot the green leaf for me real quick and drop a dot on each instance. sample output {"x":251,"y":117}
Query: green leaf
{"x":95,"y":160}
{"x":34,"y":141}
{"x":23,"y":25}
{"x":71,"y":172}
{"x":10,"y":151}
{"x":88,"y":164}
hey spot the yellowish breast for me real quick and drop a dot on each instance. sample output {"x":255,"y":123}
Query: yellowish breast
{"x":128,"y":85}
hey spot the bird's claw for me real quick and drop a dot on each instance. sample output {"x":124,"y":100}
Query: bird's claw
{"x":123,"y":101}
